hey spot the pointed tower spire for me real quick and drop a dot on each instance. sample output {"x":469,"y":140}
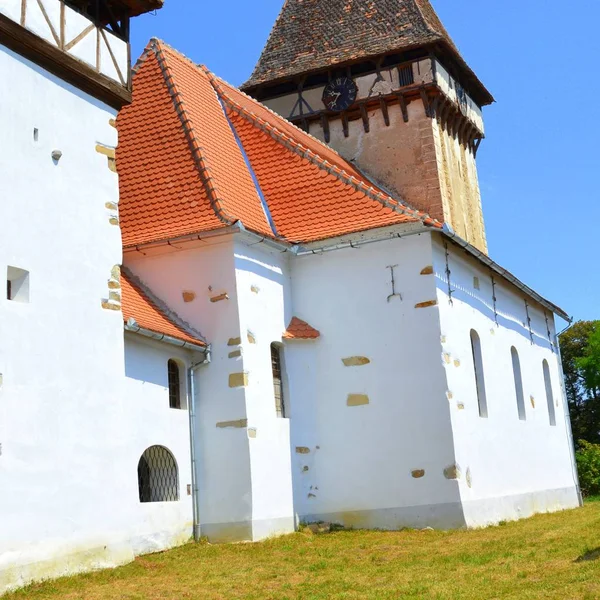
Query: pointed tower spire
{"x":316,"y":35}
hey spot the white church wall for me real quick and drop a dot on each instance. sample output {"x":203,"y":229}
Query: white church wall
{"x":263,"y":293}
{"x":187,"y":281}
{"x":61,"y":361}
{"x":155,"y":526}
{"x":240,"y":443}
{"x":371,"y":443}
{"x":510,"y":468}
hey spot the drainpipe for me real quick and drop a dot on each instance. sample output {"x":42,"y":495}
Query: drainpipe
{"x":192,"y":417}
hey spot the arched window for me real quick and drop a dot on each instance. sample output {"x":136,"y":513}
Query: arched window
{"x":549,"y":393}
{"x":516,"y":365}
{"x":158,"y":478}
{"x":479,"y":374}
{"x":277,"y":380}
{"x":174,"y":384}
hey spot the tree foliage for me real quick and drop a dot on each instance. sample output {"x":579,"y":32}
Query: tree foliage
{"x":580,"y":348}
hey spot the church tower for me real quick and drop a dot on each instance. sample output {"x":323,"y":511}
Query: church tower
{"x":383,"y":84}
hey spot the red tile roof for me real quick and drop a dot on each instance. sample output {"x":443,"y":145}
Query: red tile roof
{"x":142,"y":306}
{"x":300,"y":330}
{"x":196,"y":154}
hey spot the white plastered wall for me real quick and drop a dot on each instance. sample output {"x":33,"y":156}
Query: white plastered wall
{"x":242,"y":449}
{"x":510,"y":468}
{"x":379,"y":464}
{"x":61,"y":357}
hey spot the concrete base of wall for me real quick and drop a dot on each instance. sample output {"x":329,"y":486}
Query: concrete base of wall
{"x":438,"y":516}
{"x":490,"y":511}
{"x":247,"y":531}
{"x":28,"y":569}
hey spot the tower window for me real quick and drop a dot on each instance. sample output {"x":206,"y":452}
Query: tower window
{"x":174,"y":384}
{"x":516,"y":364}
{"x":158,"y":477}
{"x":17,"y":285}
{"x":405,"y":75}
{"x":549,"y":393}
{"x":277,"y":380}
{"x":479,"y":374}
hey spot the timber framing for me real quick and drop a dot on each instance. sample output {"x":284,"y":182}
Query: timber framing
{"x":56,"y":61}
{"x":435,"y":104}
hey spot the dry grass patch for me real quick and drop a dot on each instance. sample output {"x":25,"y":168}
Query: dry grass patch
{"x":549,"y":556}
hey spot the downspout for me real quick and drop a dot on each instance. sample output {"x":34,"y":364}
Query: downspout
{"x":192,"y":419}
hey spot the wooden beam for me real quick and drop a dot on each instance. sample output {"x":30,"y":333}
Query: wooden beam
{"x":345,"y":124}
{"x":425,"y":99}
{"x":325,"y":127}
{"x":61,"y":64}
{"x":365,"y":118}
{"x":403,"y":107}
{"x":384,"y":109}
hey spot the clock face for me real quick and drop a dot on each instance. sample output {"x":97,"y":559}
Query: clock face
{"x":340,"y":94}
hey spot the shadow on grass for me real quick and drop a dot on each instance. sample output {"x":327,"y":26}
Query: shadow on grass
{"x":589,"y":555}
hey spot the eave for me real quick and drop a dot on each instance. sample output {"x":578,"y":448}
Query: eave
{"x":61,"y":64}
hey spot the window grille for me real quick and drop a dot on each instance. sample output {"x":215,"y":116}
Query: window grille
{"x":277,"y":380}
{"x":479,"y":374}
{"x":158,"y":478}
{"x":174,"y":385}
{"x":516,"y":363}
{"x":406,"y":75}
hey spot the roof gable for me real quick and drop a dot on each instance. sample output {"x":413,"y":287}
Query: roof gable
{"x":195,"y":155}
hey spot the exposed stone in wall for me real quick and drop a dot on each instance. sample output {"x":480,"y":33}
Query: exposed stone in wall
{"x":426,"y":304}
{"x":219,"y":298}
{"x":356,"y":361}
{"x":188,"y":296}
{"x":113,"y":302}
{"x":251,"y":338}
{"x":239,"y":424}
{"x":110,"y":155}
{"x":357,"y":400}
{"x":237,"y":380}
{"x":234,"y":341}
{"x":302,"y":450}
{"x":427,"y":270}
{"x":452,"y":472}
{"x":418,"y":473}
{"x":235,"y":354}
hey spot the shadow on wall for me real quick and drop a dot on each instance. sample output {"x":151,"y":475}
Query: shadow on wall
{"x":511,"y":322}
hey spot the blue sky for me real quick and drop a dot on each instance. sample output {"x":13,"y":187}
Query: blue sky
{"x":537,"y":165}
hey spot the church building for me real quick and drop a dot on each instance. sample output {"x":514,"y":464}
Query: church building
{"x":229,"y":312}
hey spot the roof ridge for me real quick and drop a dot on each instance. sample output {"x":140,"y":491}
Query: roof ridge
{"x":160,"y":305}
{"x":316,"y":159}
{"x":199,"y":159}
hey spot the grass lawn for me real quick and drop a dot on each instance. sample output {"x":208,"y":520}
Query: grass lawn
{"x":548,"y":556}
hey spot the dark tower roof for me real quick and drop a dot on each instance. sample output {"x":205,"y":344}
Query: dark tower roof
{"x":314,"y":35}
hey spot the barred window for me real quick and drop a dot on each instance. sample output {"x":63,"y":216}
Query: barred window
{"x":158,"y":478}
{"x":516,"y":363}
{"x":174,"y":384}
{"x":479,"y":374}
{"x":277,"y":380}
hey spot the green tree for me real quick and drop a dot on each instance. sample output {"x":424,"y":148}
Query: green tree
{"x":580,"y":348}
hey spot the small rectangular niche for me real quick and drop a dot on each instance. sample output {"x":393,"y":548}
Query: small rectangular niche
{"x":17,"y":285}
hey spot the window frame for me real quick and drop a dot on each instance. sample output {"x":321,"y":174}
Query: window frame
{"x":154,"y":486}
{"x":549,"y":393}
{"x":479,"y":372}
{"x":518,"y":382}
{"x":174,"y":385}
{"x":277,"y":372}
